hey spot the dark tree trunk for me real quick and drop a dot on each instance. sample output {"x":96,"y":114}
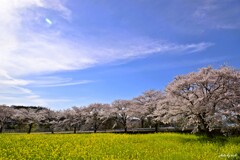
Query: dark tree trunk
{"x":75,"y":130}
{"x":125,"y":124}
{"x":207,"y":132}
{"x":30,"y":128}
{"x":199,"y":128}
{"x":142,"y":123}
{"x":1,"y":129}
{"x":95,"y":128}
{"x":205,"y":127}
{"x":52,"y":131}
{"x":125,"y":129}
{"x":156,"y":127}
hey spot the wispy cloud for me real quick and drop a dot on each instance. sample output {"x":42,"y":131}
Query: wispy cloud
{"x":218,"y":15}
{"x":66,"y":84}
{"x":16,"y":95}
{"x":15,"y":91}
{"x":55,"y":82}
{"x":173,"y":64}
{"x":34,"y":44}
{"x":31,"y":100}
{"x":46,"y":51}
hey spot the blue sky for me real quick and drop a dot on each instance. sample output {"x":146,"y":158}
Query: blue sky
{"x":62,"y":53}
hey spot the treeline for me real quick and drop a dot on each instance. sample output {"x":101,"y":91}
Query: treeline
{"x":204,"y":101}
{"x":121,"y":114}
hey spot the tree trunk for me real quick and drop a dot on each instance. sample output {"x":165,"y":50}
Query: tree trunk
{"x":205,"y":127}
{"x":207,"y":132}
{"x":142,"y":123}
{"x":199,"y":128}
{"x":30,"y":128}
{"x":125,"y":125}
{"x":156,"y":127}
{"x":95,"y":128}
{"x":52,"y":131}
{"x":75,"y":130}
{"x":125,"y":129}
{"x":1,"y":129}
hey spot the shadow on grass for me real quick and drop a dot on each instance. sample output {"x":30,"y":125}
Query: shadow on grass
{"x":219,"y":140}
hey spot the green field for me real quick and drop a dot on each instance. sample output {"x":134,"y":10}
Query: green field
{"x":117,"y":146}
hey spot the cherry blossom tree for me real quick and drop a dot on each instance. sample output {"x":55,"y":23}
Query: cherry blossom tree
{"x":74,"y":117}
{"x":5,"y":115}
{"x":123,"y":111}
{"x":97,"y":114}
{"x":28,"y":115}
{"x":162,"y":112}
{"x":50,"y":119}
{"x":146,"y":104}
{"x":204,"y":99}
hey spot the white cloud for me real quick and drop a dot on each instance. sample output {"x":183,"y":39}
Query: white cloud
{"x":171,"y":64}
{"x":26,"y":51}
{"x":65,"y":84}
{"x":28,"y":47}
{"x":55,"y":82}
{"x":15,"y":95}
{"x":218,"y":15}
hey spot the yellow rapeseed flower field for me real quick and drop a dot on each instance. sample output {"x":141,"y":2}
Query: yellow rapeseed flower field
{"x":169,"y":146}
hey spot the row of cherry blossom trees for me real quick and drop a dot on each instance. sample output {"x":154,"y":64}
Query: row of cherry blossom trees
{"x":121,"y":114}
{"x":202,"y":101}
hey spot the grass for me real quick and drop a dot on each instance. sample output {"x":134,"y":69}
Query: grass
{"x":117,"y":146}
